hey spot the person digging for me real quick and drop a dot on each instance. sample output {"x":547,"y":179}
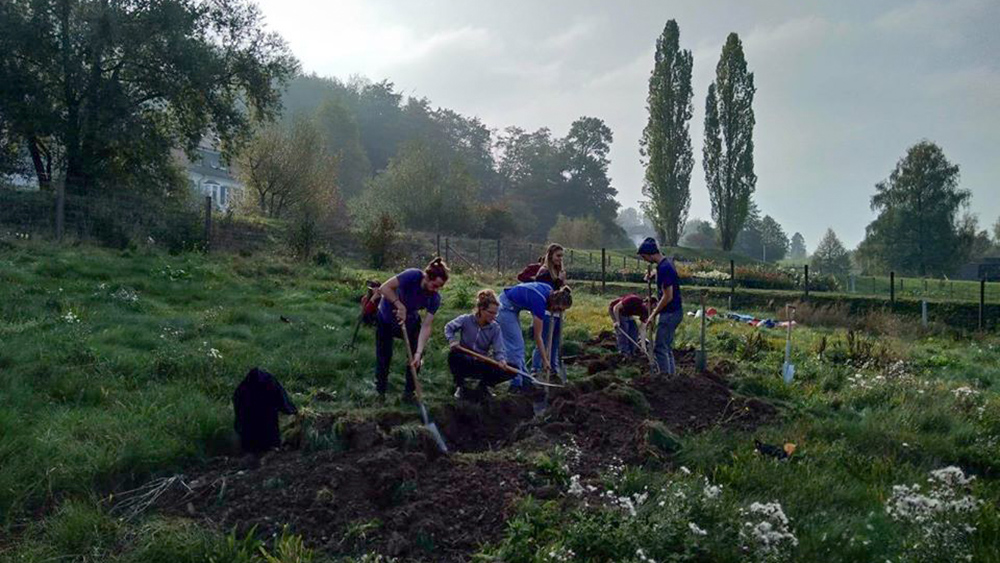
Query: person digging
{"x":477,"y":332}
{"x":537,"y":298}
{"x":668,"y":310}
{"x":403,"y":296}
{"x":622,"y":311}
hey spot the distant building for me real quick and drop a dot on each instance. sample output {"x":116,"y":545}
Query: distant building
{"x":210,"y":175}
{"x":988,"y":268}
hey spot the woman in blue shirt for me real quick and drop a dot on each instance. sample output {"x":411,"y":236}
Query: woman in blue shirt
{"x":538,"y":298}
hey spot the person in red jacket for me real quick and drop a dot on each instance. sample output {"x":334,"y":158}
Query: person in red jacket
{"x":622,"y":311}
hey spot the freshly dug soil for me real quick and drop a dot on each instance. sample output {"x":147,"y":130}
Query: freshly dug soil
{"x":386,"y":488}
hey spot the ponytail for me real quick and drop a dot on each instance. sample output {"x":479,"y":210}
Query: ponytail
{"x":437,"y":269}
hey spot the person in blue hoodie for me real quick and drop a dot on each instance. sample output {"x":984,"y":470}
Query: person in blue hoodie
{"x":668,"y":308}
{"x":479,"y":332}
{"x":537,"y":297}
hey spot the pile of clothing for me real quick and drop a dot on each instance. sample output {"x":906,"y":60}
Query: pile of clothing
{"x":757,"y":322}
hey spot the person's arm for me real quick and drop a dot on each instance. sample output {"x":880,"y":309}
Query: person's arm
{"x":425,"y":334}
{"x":499,"y":350}
{"x":616,"y":314}
{"x":388,"y":291}
{"x":668,"y":296}
{"x":539,"y":324}
{"x":452,"y":332}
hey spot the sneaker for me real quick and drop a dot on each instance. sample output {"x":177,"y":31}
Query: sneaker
{"x":461,"y":394}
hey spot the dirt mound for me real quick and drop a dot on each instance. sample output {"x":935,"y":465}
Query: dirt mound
{"x":384,"y":486}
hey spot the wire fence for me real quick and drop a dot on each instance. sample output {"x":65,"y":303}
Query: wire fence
{"x":121,"y":220}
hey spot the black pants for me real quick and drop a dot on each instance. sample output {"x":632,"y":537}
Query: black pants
{"x":464,"y":366}
{"x":385,"y":333}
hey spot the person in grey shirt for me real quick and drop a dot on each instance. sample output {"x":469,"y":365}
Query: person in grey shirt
{"x":480,"y":333}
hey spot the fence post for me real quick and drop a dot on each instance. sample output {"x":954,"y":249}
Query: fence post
{"x":807,"y":280}
{"x":923,"y":312}
{"x":892,"y":288}
{"x":437,"y":244}
{"x":499,"y":271}
{"x":732,"y":282}
{"x":982,"y":303}
{"x":208,"y":221}
{"x":624,"y":265}
{"x":604,"y":264}
{"x":60,"y":209}
{"x":571,"y":256}
{"x":591,"y":257}
{"x":447,"y":250}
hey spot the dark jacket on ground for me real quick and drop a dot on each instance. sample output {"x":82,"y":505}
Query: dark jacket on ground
{"x":256,"y":404}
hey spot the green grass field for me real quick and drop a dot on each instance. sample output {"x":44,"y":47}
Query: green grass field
{"x":119,"y":367}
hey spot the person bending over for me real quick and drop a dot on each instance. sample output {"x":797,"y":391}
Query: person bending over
{"x":403,"y":296}
{"x":538,"y":298}
{"x":622,"y":311}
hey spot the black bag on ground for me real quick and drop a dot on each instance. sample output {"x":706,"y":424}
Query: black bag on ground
{"x":256,"y":404}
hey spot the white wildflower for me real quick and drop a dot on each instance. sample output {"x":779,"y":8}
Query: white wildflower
{"x":575,"y":488}
{"x":214,"y":354}
{"x":696,"y":530}
{"x":70,"y":317}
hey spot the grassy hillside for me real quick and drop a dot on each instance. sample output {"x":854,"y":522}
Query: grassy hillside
{"x":117,"y":369}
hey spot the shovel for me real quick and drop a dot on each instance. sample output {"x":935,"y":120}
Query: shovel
{"x":507,"y":368}
{"x":428,"y":423}
{"x":350,"y":346}
{"x":542,"y":402}
{"x":788,"y":370}
{"x":559,"y":361}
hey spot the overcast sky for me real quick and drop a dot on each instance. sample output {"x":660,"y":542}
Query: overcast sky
{"x":843,"y":88}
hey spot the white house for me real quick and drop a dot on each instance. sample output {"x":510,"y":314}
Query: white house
{"x":210,"y":175}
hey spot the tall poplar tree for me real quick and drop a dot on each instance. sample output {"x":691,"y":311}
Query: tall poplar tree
{"x":728,"y":149}
{"x":666,"y":142}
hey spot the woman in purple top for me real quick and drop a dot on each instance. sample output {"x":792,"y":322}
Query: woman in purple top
{"x":403,"y":295}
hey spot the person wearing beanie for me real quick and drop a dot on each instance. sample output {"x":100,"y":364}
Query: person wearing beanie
{"x":668,"y":308}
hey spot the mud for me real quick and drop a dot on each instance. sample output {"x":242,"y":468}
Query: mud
{"x":384,"y":487}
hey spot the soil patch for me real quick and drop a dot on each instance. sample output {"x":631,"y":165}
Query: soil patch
{"x":384,"y":487}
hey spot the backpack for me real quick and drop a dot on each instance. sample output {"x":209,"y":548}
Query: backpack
{"x":529,"y":272}
{"x":369,"y":303}
{"x":256,"y":403}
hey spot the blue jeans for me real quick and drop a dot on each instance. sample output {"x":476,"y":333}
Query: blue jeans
{"x":625,"y":346}
{"x":666,"y":327}
{"x":513,"y":339}
{"x":536,"y":357}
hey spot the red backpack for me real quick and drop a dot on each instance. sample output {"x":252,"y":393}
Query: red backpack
{"x":369,"y":303}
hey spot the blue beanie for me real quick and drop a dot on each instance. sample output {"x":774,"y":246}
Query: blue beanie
{"x":648,"y":246}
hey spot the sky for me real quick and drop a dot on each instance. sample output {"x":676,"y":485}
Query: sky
{"x":843,"y":88}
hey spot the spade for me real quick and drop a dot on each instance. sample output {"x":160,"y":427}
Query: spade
{"x":788,"y":370}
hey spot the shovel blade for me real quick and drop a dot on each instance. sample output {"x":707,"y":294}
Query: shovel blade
{"x":788,"y":372}
{"x":433,"y":429}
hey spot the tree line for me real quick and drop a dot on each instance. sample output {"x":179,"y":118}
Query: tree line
{"x":437,"y":170}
